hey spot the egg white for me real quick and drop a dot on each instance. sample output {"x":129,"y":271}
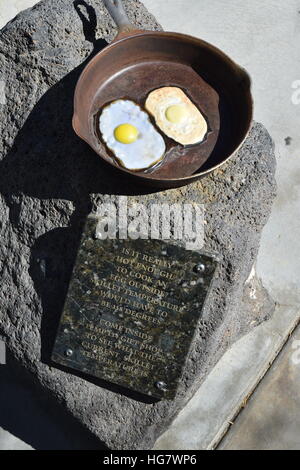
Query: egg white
{"x":146,"y":151}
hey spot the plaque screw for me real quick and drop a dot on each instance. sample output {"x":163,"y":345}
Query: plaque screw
{"x":199,"y":268}
{"x":161,"y":386}
{"x":68,"y":352}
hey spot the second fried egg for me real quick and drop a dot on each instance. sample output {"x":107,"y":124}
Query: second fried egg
{"x":129,"y":134}
{"x":176,"y":115}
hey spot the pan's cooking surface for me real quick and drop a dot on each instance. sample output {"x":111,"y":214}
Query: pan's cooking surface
{"x":136,"y":82}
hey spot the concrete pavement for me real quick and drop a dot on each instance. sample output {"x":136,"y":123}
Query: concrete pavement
{"x":271,"y":419}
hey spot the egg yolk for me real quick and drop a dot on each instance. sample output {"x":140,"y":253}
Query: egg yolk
{"x":126,"y":133}
{"x":176,"y":113}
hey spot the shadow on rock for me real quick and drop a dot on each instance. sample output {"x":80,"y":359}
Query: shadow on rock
{"x":32,"y":416}
{"x":52,"y":259}
{"x":47,"y":159}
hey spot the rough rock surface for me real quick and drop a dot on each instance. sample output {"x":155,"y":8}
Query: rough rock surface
{"x":50,"y":181}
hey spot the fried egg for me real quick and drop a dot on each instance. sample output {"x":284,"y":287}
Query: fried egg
{"x":129,"y":134}
{"x":176,"y":115}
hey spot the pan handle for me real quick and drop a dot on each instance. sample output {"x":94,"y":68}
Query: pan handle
{"x":117,"y":11}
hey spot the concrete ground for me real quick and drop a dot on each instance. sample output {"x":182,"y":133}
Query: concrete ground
{"x":263,"y":36}
{"x":271,"y":419}
{"x":210,"y":414}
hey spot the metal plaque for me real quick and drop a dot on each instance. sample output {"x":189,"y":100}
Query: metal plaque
{"x":131,"y":311}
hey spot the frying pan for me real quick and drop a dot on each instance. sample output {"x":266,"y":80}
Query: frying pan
{"x":136,"y":63}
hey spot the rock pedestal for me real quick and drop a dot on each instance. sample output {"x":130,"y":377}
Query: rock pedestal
{"x":50,"y":181}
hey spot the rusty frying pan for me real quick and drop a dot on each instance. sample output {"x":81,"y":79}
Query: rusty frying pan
{"x":136,"y":63}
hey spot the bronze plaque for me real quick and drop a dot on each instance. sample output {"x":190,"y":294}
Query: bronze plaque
{"x":131,"y":311}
